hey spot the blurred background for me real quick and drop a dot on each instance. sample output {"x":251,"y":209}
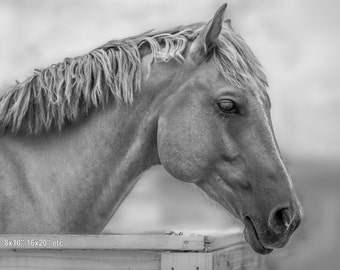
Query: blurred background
{"x":297,"y":41}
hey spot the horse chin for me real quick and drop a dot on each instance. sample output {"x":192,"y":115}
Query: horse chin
{"x":253,"y":239}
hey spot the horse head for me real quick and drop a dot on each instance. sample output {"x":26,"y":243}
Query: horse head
{"x":215,"y":131}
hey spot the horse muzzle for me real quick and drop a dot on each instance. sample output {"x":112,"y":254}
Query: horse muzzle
{"x":252,"y":237}
{"x":275,"y":234}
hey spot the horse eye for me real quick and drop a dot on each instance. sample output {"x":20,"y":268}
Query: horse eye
{"x":227,"y":106}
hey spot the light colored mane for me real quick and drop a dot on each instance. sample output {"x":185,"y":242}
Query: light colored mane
{"x":67,"y":91}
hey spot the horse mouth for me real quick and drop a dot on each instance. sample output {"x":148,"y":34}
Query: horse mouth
{"x":252,"y":238}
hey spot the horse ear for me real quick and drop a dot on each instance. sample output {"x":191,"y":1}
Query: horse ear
{"x":208,"y":37}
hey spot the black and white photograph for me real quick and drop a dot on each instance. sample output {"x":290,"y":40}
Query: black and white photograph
{"x":170,"y":135}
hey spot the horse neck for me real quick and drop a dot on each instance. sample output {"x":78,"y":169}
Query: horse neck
{"x":131,"y":149}
{"x":127,"y":139}
{"x":129,"y":136}
{"x":125,"y":146}
{"x":82,"y":174}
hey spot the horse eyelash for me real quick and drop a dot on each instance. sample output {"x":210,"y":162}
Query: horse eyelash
{"x":225,"y":117}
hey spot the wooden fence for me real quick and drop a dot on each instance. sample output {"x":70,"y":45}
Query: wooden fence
{"x":128,"y":252}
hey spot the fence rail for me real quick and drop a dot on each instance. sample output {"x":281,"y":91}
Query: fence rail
{"x":128,"y":252}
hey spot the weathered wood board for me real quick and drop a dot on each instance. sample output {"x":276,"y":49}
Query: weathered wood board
{"x":128,"y":252}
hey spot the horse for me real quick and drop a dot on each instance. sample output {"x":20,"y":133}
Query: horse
{"x":77,"y":135}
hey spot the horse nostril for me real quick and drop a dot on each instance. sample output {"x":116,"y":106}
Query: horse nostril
{"x":280,"y":219}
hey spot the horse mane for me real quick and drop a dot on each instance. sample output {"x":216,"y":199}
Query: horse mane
{"x":67,"y":91}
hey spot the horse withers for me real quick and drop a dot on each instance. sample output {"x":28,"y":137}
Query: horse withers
{"x":76,"y":136}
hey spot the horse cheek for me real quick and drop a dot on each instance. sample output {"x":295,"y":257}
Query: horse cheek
{"x":183,"y":147}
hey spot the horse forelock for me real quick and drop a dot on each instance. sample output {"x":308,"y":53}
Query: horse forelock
{"x":64,"y":92}
{"x":237,"y":63}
